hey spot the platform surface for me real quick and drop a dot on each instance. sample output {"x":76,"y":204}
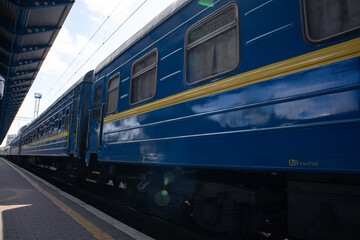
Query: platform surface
{"x":31,"y":208}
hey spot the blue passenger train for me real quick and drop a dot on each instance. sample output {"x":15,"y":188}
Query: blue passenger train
{"x":236,"y":113}
{"x":57,"y":137}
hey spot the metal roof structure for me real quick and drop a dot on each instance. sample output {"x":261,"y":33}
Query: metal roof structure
{"x":28,"y":29}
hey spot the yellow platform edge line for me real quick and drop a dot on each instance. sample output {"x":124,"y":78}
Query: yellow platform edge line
{"x":89,"y":226}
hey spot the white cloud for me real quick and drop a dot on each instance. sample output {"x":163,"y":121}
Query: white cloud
{"x":71,"y":46}
{"x":96,"y":19}
{"x":53,"y":64}
{"x":106,"y":7}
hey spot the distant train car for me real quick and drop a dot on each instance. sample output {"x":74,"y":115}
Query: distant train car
{"x":60,"y":131}
{"x":231,"y":90}
{"x":6,"y":151}
{"x":15,"y":147}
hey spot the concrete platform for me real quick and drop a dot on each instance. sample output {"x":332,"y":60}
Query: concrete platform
{"x":31,"y":208}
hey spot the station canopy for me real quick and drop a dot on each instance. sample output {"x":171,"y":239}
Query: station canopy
{"x":28,"y":29}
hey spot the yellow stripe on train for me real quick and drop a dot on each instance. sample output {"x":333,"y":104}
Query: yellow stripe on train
{"x":64,"y":134}
{"x":336,"y":53}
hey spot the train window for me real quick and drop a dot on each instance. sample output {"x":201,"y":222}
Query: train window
{"x":60,"y":121}
{"x":75,"y":110}
{"x":77,"y":90}
{"x":67,"y":118}
{"x":327,"y":20}
{"x":53,"y":124}
{"x":97,"y":102}
{"x":144,"y":78}
{"x":47,"y":128}
{"x":112,"y":98}
{"x":212,"y":46}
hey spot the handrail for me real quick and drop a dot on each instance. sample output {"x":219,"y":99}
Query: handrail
{"x":100,"y":125}
{"x":88,"y":131}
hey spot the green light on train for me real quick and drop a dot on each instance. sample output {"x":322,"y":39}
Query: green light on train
{"x":208,"y":3}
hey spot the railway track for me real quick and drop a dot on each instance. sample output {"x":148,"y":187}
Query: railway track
{"x":111,"y":201}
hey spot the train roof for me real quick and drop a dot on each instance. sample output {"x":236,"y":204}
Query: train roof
{"x":169,"y":11}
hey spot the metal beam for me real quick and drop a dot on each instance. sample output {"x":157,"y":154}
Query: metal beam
{"x":20,"y":63}
{"x":17,"y":95}
{"x":12,"y":75}
{"x":26,"y":49}
{"x":15,"y":103}
{"x":28,"y":62}
{"x":14,"y":107}
{"x":29,"y":31}
{"x":41,"y":4}
{"x":19,"y":81}
{"x":11,"y":27}
{"x":18,"y":89}
{"x":20,"y":85}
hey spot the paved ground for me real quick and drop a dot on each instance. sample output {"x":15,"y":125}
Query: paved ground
{"x":34,"y":209}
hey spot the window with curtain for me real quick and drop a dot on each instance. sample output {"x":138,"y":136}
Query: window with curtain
{"x":60,"y":121}
{"x":97,"y":102}
{"x":112,"y":98}
{"x":47,"y":127}
{"x":212,"y":46}
{"x":144,"y":78}
{"x":75,"y":109}
{"x":53,"y":124}
{"x":67,"y":118}
{"x":325,"y":20}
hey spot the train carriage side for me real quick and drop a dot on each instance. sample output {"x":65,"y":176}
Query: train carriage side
{"x":14,"y":149}
{"x":56,"y":137}
{"x":249,"y":95}
{"x":211,"y":78}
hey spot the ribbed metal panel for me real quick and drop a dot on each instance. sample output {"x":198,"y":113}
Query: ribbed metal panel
{"x":27,"y":30}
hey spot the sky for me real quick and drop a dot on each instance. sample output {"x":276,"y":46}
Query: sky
{"x":77,"y":49}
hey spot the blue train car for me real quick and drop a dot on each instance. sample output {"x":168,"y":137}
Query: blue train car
{"x":218,"y":78}
{"x":14,"y":147}
{"x":239,"y":99}
{"x":60,"y":131}
{"x":235,"y":113}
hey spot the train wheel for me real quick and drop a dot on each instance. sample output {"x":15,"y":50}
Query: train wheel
{"x":250,"y":221}
{"x":227,"y":218}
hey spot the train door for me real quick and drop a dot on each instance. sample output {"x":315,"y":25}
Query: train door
{"x":109,"y":108}
{"x":67,"y":126}
{"x":104,"y":103}
{"x":20,"y":145}
{"x":112,"y":96}
{"x":93,"y":142}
